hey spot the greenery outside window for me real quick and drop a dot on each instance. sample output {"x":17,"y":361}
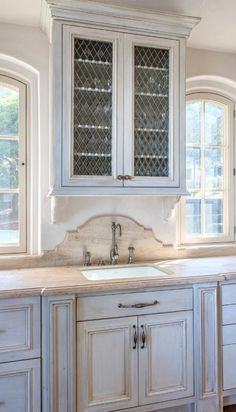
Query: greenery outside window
{"x":12,"y":165}
{"x":207,"y":215}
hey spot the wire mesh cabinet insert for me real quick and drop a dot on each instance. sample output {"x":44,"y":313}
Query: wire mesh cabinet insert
{"x":119,"y":100}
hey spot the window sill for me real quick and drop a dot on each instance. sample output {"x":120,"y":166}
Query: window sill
{"x":206,"y":250}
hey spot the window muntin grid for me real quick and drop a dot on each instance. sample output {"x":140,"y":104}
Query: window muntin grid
{"x":206,"y":211}
{"x":151,"y":111}
{"x":92,"y":126}
{"x":12,"y":165}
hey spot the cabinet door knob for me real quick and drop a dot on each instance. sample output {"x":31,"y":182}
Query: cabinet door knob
{"x":120,"y":177}
{"x":128,"y":177}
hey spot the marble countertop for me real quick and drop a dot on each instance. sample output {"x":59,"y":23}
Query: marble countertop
{"x":69,"y":279}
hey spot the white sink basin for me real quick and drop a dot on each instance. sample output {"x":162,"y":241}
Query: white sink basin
{"x":122,"y":272}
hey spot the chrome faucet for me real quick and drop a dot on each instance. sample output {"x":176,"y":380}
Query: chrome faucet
{"x":114,"y":255}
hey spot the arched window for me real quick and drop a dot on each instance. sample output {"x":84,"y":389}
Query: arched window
{"x":12,"y":165}
{"x":207,"y":215}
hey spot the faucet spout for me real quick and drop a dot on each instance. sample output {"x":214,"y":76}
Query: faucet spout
{"x":114,"y":255}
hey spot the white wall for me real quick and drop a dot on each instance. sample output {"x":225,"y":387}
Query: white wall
{"x":31,"y":46}
{"x":205,"y":62}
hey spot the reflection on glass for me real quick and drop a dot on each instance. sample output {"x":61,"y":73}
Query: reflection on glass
{"x":214,"y":168}
{"x":9,"y":218}
{"x":214,"y":214}
{"x":193,"y":114}
{"x":193,"y":168}
{"x":9,"y":111}
{"x":92,"y":108}
{"x":151,"y":111}
{"x":214,"y":124}
{"x":9,"y":158}
{"x":193,"y":216}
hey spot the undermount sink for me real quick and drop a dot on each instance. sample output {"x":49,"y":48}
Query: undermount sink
{"x":122,"y":272}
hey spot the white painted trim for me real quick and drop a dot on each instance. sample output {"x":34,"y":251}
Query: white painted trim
{"x":215,"y":86}
{"x":120,"y":18}
{"x":25,"y":73}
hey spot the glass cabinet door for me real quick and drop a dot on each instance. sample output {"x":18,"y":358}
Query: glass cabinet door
{"x":93,"y":92}
{"x":151,"y":80}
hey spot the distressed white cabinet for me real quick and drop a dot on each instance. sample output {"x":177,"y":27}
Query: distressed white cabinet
{"x":118,"y":100}
{"x":20,"y":351}
{"x":165,"y":357}
{"x":107,"y":364}
{"x":229,"y":336}
{"x":58,"y":354}
{"x":20,"y":386}
{"x":133,"y":361}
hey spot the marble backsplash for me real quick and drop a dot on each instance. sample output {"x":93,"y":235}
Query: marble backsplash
{"x":95,"y":236}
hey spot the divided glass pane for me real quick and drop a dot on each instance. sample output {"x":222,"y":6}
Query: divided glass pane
{"x":9,"y":162}
{"x":214,"y":124}
{"x":9,"y":218}
{"x":92,"y":129}
{"x":193,"y":216}
{"x":193,"y":116}
{"x":193,"y":168}
{"x":9,"y":111}
{"x":9,"y":165}
{"x":151,"y":111}
{"x":214,"y":213}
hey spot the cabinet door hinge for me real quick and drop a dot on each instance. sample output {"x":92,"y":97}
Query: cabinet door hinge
{"x":234,"y":229}
{"x":234,"y":171}
{"x":234,"y":112}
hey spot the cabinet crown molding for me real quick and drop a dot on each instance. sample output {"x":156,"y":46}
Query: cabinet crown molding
{"x":114,"y":17}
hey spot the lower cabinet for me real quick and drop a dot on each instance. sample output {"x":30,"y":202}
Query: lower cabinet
{"x":136,"y":360}
{"x":228,"y":292}
{"x":20,"y":386}
{"x":165,"y":357}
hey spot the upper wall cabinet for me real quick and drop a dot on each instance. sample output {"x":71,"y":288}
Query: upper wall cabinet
{"x":118,"y":93}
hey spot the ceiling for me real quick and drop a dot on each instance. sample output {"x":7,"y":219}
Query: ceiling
{"x":216,"y":31}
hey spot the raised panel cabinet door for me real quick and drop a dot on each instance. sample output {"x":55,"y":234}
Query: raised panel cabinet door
{"x":20,"y":386}
{"x":107,"y":365}
{"x":165,"y":357}
{"x":151,"y":112}
{"x":92,"y":111}
{"x":19,"y":328}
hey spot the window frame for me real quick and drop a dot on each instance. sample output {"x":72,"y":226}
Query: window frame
{"x":229,"y":216}
{"x":20,"y":247}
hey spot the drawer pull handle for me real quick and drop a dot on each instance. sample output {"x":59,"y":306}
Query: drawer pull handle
{"x":135,"y":337}
{"x":143,"y":337}
{"x":2,"y":403}
{"x":138,"y":305}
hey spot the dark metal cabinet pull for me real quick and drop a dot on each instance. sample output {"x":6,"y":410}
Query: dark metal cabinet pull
{"x":143,"y":337}
{"x":135,"y":337}
{"x":138,"y":305}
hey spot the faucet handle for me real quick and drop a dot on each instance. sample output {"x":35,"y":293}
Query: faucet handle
{"x":87,"y":259}
{"x":131,"y":250}
{"x":101,"y":262}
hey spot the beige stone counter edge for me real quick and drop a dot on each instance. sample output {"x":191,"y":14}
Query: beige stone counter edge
{"x":114,"y":286}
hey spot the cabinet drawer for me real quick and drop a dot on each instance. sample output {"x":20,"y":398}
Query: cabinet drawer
{"x":229,"y":370}
{"x":229,"y":334}
{"x":228,"y":314}
{"x":19,"y":328}
{"x":228,"y":294}
{"x":99,"y":307}
{"x":20,"y":386}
